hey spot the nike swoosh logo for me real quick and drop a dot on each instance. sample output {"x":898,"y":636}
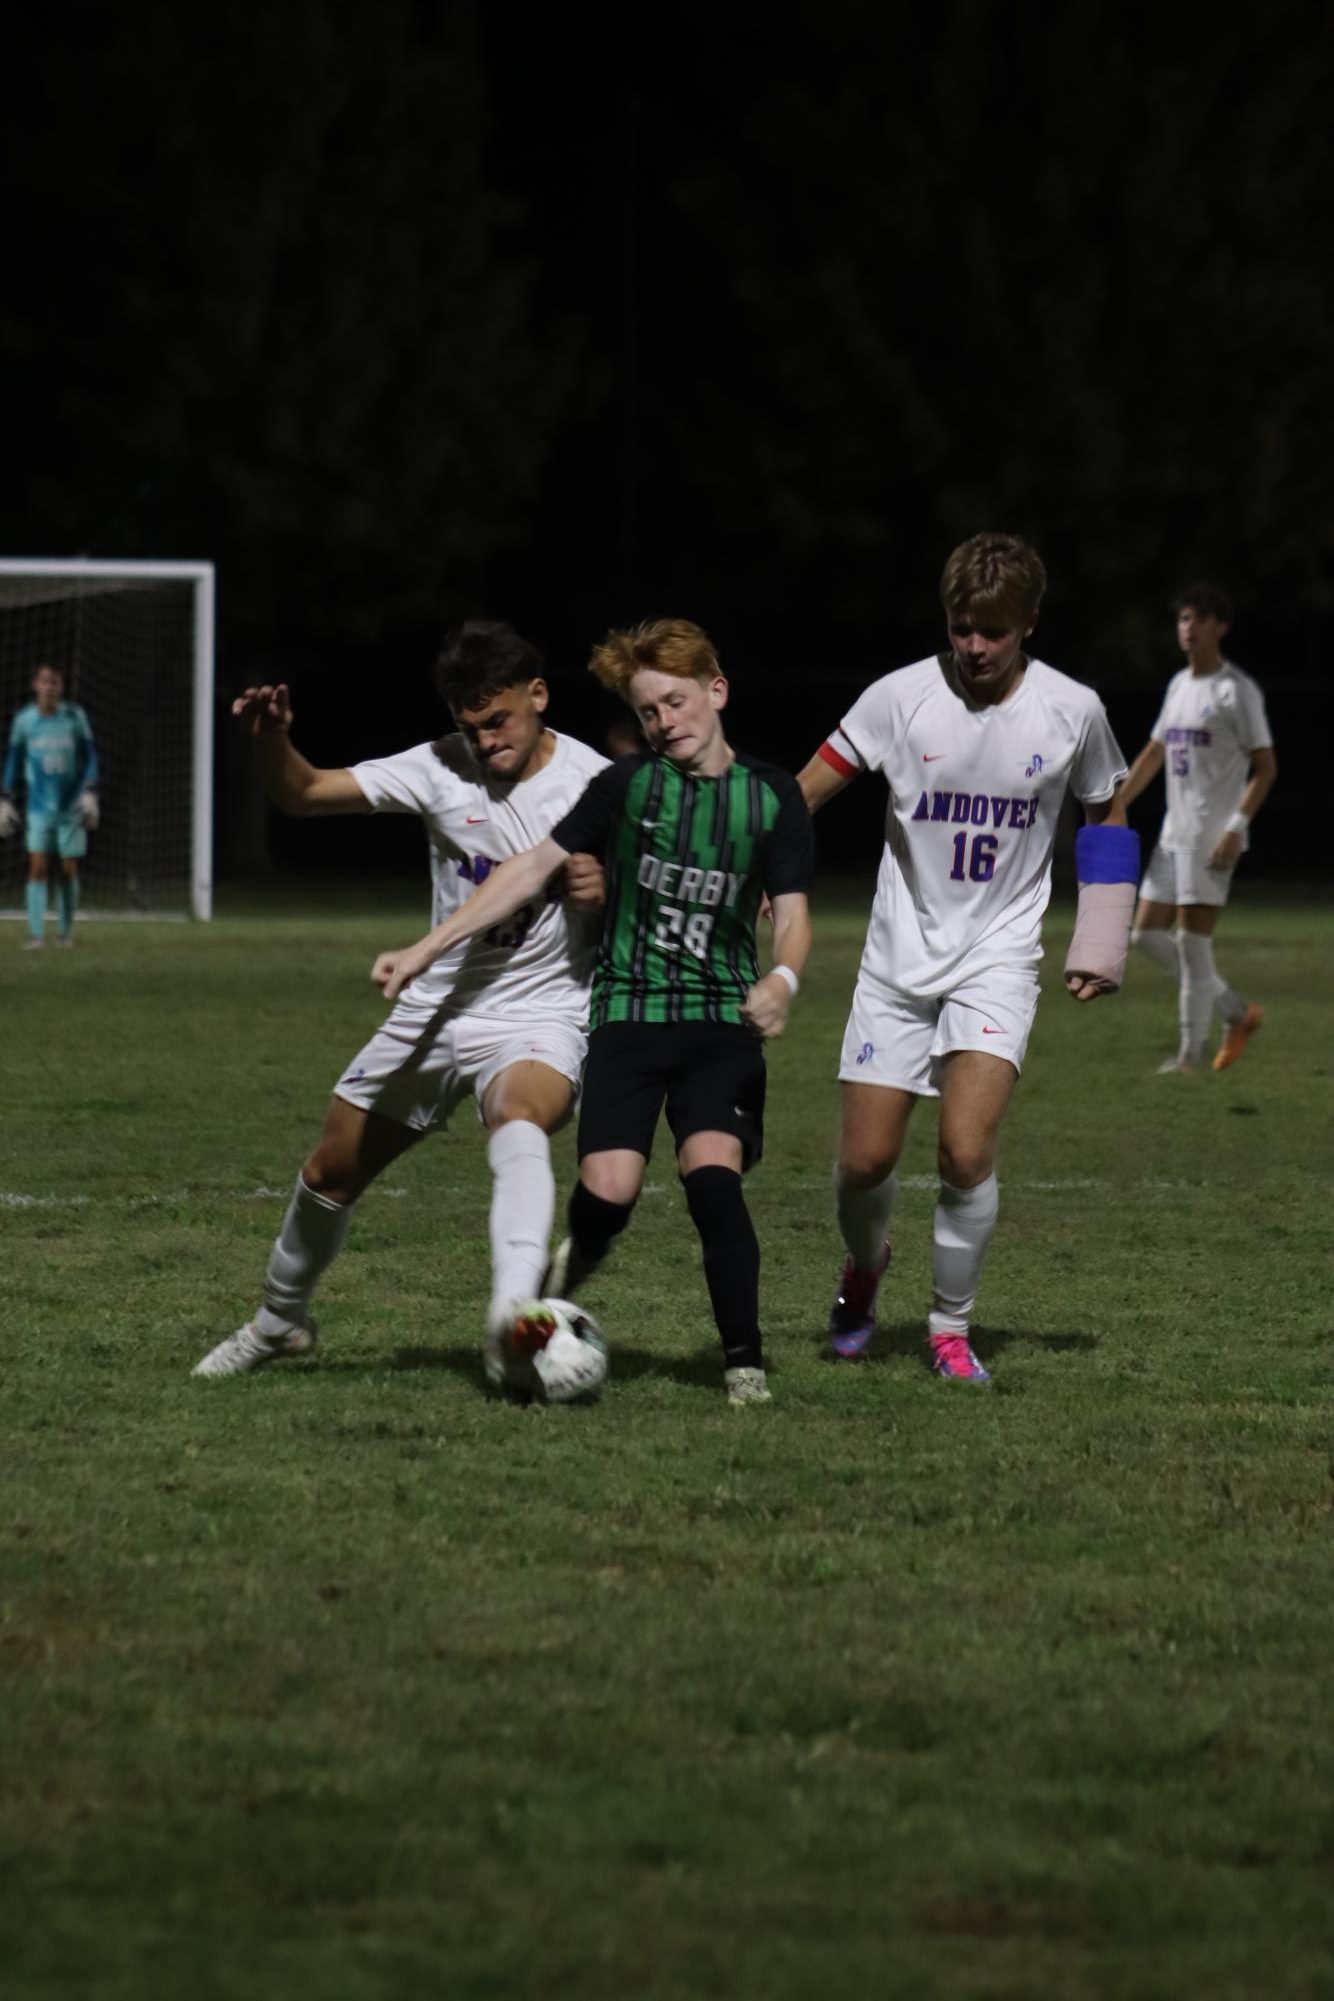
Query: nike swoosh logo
{"x":993,"y":1031}
{"x":478,"y":822}
{"x":932,"y":756}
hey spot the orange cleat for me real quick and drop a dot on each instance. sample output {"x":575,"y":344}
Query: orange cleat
{"x":1236,"y":1035}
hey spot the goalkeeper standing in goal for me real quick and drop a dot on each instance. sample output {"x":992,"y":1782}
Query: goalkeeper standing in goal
{"x":692,"y":834}
{"x":503,"y":1023}
{"x":51,"y":750}
{"x":978,"y":745}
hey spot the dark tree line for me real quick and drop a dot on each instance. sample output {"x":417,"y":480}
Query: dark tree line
{"x":406,"y":311}
{"x":271,"y":309}
{"x":997,"y":265}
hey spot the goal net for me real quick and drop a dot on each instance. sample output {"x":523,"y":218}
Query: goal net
{"x":134,"y":642}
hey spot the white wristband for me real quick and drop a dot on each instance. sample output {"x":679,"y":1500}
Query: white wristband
{"x":1238,"y":824}
{"x":786,"y":973}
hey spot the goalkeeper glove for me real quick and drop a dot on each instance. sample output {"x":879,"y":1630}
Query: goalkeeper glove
{"x":88,"y":812}
{"x":9,"y":819}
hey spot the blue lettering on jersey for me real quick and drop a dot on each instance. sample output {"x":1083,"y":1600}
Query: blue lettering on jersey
{"x":1190,"y":737}
{"x":978,"y":809}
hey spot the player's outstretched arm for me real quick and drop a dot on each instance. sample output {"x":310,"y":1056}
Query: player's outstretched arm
{"x":766,"y":1006}
{"x":1141,"y":774}
{"x":294,"y":784}
{"x":515,"y":882}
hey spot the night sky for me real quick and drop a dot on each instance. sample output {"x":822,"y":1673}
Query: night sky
{"x":406,"y":313}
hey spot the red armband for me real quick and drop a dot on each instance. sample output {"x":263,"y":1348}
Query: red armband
{"x":839,"y":762}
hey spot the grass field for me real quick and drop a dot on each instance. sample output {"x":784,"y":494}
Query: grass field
{"x":346,"y":1682}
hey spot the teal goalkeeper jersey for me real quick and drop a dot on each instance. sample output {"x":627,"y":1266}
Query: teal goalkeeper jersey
{"x":56,"y":755}
{"x":687,"y":860}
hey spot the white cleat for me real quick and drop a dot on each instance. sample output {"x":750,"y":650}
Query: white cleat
{"x":32,"y":945}
{"x":66,"y":941}
{"x":494,"y":1346}
{"x":493,"y":1361}
{"x":746,"y":1386}
{"x":246,"y":1350}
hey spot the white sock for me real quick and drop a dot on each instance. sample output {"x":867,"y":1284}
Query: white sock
{"x":863,"y":1218}
{"x":523,"y":1207}
{"x":1227,"y":1000}
{"x":964,"y":1221}
{"x":1161,"y":947}
{"x":307,"y":1244}
{"x":1199,"y":983}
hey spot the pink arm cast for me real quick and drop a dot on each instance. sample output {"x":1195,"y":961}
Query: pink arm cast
{"x":1102,"y":933}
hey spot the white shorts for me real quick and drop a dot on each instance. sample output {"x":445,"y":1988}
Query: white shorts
{"x":1183,"y":875}
{"x":892,"y":1039}
{"x":416,"y":1071}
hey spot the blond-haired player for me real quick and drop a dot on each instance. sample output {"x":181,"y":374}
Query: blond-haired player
{"x":1212,"y":741}
{"x":978,"y":745}
{"x":692,"y":834}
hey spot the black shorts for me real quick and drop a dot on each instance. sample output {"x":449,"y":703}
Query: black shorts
{"x":710,"y":1074}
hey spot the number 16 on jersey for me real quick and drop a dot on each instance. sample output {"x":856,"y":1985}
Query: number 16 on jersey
{"x":981,"y":860}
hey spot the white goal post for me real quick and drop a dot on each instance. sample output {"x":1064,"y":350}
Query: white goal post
{"x":134,"y":641}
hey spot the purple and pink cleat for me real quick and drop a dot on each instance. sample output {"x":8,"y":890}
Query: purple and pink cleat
{"x":852,"y":1315}
{"x":952,"y":1358}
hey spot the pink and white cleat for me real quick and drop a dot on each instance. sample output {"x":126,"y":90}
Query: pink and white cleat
{"x":952,"y":1358}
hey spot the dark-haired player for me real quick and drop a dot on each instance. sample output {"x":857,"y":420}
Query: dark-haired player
{"x":692,"y":834}
{"x":502,"y":1020}
{"x":1212,"y":740}
{"x":51,"y":749}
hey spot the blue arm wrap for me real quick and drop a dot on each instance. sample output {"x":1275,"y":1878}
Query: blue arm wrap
{"x":1107,"y":854}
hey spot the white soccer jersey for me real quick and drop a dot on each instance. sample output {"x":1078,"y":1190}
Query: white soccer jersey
{"x":539,"y":962}
{"x":1209,"y":724}
{"x":974,"y":795}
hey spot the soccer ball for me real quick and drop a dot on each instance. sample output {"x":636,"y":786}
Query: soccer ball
{"x":555,"y":1351}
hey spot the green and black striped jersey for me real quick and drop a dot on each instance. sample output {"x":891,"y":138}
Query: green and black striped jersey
{"x":687,"y":860}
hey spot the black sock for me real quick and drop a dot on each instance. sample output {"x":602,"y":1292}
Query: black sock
{"x":731,"y":1260}
{"x":595,"y":1224}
